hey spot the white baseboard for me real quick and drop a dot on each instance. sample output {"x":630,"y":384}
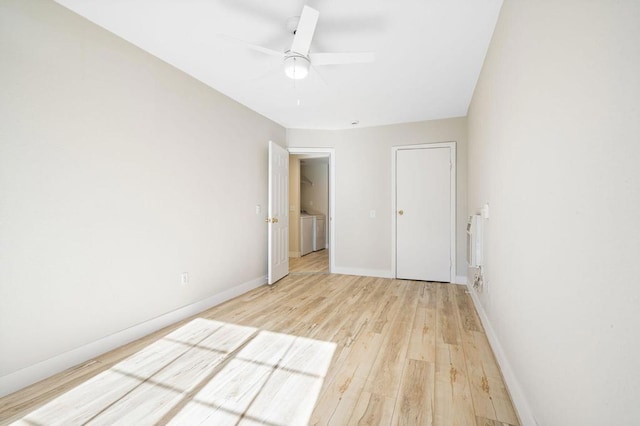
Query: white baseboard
{"x":34,"y":373}
{"x":513,"y":385}
{"x":383,"y":273}
{"x":460,"y":279}
{"x":380,"y":273}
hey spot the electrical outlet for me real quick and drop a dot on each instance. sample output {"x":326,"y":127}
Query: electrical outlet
{"x":478,"y":281}
{"x":372,"y":214}
{"x":184,"y":278}
{"x":258,"y":209}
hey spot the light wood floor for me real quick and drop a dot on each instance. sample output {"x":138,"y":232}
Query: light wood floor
{"x":311,"y":349}
{"x":317,"y":261}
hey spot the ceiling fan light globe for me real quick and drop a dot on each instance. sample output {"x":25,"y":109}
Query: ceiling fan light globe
{"x":296,"y":67}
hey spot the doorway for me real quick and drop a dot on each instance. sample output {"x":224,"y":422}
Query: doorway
{"x":424,"y":195}
{"x":311,"y":210}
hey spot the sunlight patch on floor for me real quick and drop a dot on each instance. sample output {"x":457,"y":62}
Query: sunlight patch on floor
{"x":204,"y":372}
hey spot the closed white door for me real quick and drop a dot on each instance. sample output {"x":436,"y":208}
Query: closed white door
{"x":278,"y":219}
{"x":423,"y":214}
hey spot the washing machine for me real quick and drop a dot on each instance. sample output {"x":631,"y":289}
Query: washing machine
{"x":307,"y":228}
{"x":320,"y":233}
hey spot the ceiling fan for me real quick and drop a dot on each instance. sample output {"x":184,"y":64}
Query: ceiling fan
{"x":298,"y":59}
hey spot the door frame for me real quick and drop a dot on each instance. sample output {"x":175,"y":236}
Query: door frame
{"x":394,"y":207}
{"x":332,"y":195}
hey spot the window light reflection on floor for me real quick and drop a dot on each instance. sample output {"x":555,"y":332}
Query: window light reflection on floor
{"x":206,"y":371}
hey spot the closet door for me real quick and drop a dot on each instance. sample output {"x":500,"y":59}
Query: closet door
{"x":423,"y":214}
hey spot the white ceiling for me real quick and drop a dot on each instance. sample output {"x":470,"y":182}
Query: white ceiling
{"x":428,"y":53}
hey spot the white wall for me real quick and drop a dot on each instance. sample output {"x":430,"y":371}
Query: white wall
{"x":315,"y":198}
{"x":117,"y":173}
{"x":363,"y":183}
{"x":554,"y":149}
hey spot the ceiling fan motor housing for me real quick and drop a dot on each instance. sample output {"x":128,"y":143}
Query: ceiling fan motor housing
{"x":296,"y":66}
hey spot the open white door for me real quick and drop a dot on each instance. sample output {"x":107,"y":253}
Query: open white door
{"x":278,"y":219}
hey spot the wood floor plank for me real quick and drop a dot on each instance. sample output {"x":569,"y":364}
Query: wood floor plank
{"x":386,"y":373}
{"x":490,"y":396}
{"x":469,"y":319}
{"x":372,"y":409}
{"x":146,"y":385}
{"x":415,"y":402}
{"x":453,"y":402}
{"x":279,"y":299}
{"x":494,"y":382}
{"x":290,"y":393}
{"x":487,"y":422}
{"x":342,"y":392}
{"x":327,"y":321}
{"x":226,"y":397}
{"x":422,"y":345}
{"x":423,"y":333}
{"x":317,"y":261}
{"x":358,"y":318}
{"x":446,"y":318}
{"x":355,"y":353}
{"x":313,"y":348}
{"x":428,"y":295}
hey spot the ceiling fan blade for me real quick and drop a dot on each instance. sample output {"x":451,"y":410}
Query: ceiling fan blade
{"x":318,"y":74}
{"x":341,"y":58}
{"x":305,"y":30}
{"x":252,"y":46}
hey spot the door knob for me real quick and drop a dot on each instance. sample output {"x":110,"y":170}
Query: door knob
{"x":400,"y":212}
{"x":275,"y":220}
{"x":267,"y":220}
